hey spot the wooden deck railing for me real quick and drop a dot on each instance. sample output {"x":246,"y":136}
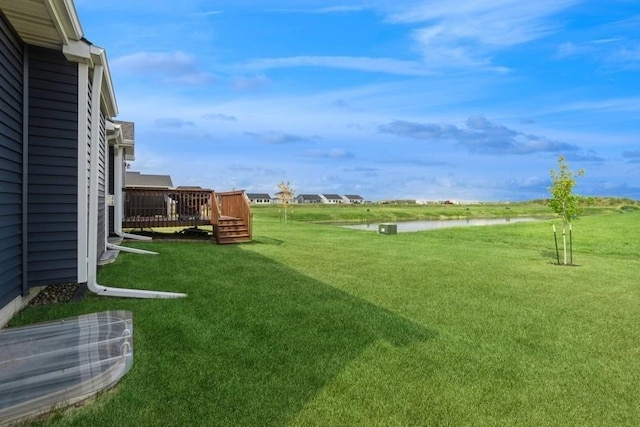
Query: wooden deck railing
{"x":215,"y":209}
{"x":148,"y":207}
{"x":232,"y":204}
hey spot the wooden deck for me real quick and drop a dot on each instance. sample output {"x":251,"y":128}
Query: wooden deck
{"x":229,"y":212}
{"x":148,"y":208}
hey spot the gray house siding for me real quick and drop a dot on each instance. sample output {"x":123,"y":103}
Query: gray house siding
{"x":102,"y":186}
{"x":53,"y":168}
{"x":11,"y":163}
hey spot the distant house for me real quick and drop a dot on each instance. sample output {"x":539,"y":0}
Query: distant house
{"x":353,"y":198}
{"x":187,"y":187}
{"x":138,"y":180}
{"x":259,"y":198}
{"x":147,"y":202}
{"x":333,"y":199}
{"x":309,"y":198}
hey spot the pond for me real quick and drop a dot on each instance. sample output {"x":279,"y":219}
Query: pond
{"x":408,"y":226}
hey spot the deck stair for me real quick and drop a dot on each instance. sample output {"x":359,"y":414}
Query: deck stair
{"x":232,"y":218}
{"x":231,"y":230}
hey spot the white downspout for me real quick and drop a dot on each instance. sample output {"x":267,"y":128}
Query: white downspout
{"x":92,"y":260}
{"x":117,"y":195}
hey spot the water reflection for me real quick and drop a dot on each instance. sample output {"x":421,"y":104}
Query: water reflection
{"x":408,"y":226}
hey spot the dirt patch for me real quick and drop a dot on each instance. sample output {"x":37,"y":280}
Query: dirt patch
{"x":186,"y":234}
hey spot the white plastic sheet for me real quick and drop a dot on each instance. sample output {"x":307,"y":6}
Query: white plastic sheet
{"x":54,"y":364}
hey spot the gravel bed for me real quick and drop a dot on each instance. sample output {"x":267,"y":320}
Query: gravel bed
{"x":54,"y":294}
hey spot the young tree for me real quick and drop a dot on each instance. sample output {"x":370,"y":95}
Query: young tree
{"x":285,"y":195}
{"x":564,"y":202}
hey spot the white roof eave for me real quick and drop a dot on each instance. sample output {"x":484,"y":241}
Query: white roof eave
{"x":46,"y":23}
{"x":65,"y":18}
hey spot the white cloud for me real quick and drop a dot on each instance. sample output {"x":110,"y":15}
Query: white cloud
{"x":479,"y":136}
{"x":467,"y":33}
{"x":172,"y":63}
{"x":366,"y":64}
{"x":334,"y":153}
{"x":250,"y":83}
{"x":220,"y":116}
{"x":627,"y":57}
{"x":193,"y":79}
{"x":631,"y":104}
{"x":613,"y":54}
{"x":324,"y":10}
{"x":175,"y":67}
{"x":278,"y":138}
{"x":210,"y":13}
{"x":339,"y":9}
{"x":172,"y":122}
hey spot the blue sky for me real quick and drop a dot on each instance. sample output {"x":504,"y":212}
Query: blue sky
{"x":419,"y":99}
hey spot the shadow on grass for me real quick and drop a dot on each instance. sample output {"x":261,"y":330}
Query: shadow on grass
{"x":551,"y":255}
{"x":253,"y":343}
{"x":262,"y":240}
{"x":556,"y":259}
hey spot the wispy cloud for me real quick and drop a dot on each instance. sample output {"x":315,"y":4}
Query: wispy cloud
{"x":335,"y":153}
{"x":632,"y":156}
{"x":365,"y":64}
{"x":367,"y":170}
{"x":339,"y":9}
{"x":256,"y":82}
{"x":210,"y":13}
{"x":279,"y":138}
{"x":630,"y":104}
{"x":324,"y":10}
{"x":613,"y":53}
{"x":193,"y":79}
{"x":479,"y":136}
{"x":424,"y":163}
{"x":589,"y":156}
{"x":627,"y":57}
{"x":177,"y":67}
{"x":219,"y":116}
{"x":164,"y":62}
{"x":569,"y":49}
{"x":467,"y":34}
{"x":172,"y":122}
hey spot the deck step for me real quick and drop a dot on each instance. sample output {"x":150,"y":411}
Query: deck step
{"x":232,"y":230}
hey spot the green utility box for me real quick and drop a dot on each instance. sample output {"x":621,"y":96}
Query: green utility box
{"x":388,"y":228}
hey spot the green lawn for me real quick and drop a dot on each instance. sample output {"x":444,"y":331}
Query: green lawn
{"x":319,"y":325}
{"x":400,"y":212}
{"x":391,"y":212}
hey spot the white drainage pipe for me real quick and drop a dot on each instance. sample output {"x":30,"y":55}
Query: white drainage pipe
{"x":128,"y":249}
